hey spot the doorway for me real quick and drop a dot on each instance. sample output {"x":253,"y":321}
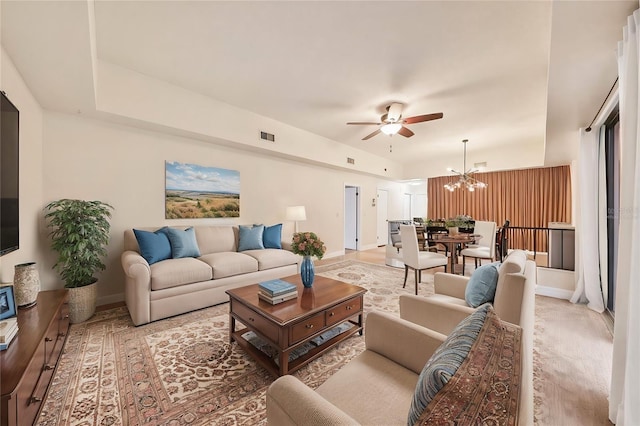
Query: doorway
{"x":382,"y":200}
{"x":351,"y":217}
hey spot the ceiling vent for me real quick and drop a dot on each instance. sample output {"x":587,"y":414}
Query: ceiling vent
{"x":351,"y":160}
{"x":267,"y":136}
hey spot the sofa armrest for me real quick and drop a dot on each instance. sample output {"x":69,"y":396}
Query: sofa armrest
{"x":436,"y":315}
{"x":403,"y":342}
{"x":137,"y":286}
{"x":450,"y":284}
{"x":291,"y":402}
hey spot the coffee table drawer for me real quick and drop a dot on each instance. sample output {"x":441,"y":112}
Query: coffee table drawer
{"x":306,"y":328}
{"x":344,"y":310}
{"x":258,"y":322}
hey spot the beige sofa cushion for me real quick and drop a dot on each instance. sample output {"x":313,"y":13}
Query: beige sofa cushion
{"x":227,"y":264}
{"x":174,"y":272}
{"x":358,"y":387}
{"x":216,"y":239}
{"x":272,"y":258}
{"x":513,"y":264}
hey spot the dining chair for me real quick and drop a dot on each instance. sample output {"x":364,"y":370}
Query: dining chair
{"x":485,"y":247}
{"x":501,"y":241}
{"x":414,"y":258}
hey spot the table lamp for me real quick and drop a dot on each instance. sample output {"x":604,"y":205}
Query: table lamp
{"x":296,"y":214}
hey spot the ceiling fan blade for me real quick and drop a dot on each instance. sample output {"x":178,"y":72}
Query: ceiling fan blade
{"x":405,"y":132}
{"x":369,"y":136}
{"x":421,"y":118}
{"x":363,"y":122}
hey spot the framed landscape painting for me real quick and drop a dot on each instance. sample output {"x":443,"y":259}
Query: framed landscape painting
{"x":193,"y":191}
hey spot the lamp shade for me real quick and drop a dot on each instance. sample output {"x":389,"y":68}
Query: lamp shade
{"x":296,"y":213}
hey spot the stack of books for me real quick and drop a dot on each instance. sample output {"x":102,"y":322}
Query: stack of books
{"x":277,"y":291}
{"x":8,"y":330}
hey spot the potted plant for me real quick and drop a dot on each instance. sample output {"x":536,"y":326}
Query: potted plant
{"x":79,"y":234}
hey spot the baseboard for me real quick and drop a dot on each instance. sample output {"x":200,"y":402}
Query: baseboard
{"x":368,"y":247}
{"x":329,"y":255}
{"x":112,"y":298}
{"x":558,"y":293}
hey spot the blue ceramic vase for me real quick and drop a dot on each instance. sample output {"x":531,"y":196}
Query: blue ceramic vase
{"x":307,"y":271}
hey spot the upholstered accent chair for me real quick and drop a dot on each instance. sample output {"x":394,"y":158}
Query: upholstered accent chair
{"x":485,"y":247}
{"x":414,"y":258}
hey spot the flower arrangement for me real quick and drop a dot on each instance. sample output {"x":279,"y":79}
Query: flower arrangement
{"x":308,"y":244}
{"x":462,"y":221}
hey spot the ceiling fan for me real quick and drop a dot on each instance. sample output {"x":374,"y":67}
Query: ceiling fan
{"x":392,"y":122}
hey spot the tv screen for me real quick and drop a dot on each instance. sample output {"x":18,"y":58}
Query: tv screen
{"x":9,"y":172}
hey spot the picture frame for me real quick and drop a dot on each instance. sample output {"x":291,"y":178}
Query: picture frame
{"x":7,"y":302}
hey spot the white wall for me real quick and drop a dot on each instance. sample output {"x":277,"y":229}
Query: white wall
{"x":31,"y":162}
{"x":124,"y":166}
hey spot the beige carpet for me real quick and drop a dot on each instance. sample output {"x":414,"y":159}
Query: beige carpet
{"x":182,"y":370}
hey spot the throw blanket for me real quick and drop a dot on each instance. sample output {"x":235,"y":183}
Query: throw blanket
{"x":486,"y":387}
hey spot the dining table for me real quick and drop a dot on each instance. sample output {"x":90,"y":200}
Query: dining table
{"x":453,"y":243}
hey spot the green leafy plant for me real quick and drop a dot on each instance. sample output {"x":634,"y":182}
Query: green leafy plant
{"x":308,"y":244}
{"x":79,"y":234}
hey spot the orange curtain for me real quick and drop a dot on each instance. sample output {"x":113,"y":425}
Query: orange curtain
{"x":526,"y":197}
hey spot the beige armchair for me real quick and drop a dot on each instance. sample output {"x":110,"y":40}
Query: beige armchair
{"x":375,"y":388}
{"x":514,"y":302}
{"x":414,"y":258}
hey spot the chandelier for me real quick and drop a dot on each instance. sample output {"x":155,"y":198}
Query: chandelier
{"x":465,"y":178}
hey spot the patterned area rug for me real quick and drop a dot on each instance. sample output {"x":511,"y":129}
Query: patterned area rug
{"x":183,"y":370}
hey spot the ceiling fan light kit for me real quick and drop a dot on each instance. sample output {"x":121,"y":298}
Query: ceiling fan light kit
{"x":392,"y":123}
{"x":465,"y":178}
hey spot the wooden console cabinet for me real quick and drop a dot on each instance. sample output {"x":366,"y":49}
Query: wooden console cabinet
{"x":28,"y":364}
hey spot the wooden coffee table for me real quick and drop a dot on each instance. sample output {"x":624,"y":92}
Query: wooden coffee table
{"x":289,"y":325}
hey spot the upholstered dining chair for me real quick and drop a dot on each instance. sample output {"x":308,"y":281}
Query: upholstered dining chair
{"x":485,"y":247}
{"x":502,"y":241}
{"x":414,"y":258}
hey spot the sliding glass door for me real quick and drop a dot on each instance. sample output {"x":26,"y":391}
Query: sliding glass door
{"x":612,"y":154}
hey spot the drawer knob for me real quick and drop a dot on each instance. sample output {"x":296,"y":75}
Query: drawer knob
{"x":332,"y":314}
{"x":34,"y":399}
{"x":350,"y":307}
{"x":48,"y":339}
{"x":62,"y":334}
{"x":47,"y":367}
{"x":65,"y":316}
{"x":309,"y":326}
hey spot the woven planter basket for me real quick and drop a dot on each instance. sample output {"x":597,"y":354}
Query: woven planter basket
{"x":82,"y":302}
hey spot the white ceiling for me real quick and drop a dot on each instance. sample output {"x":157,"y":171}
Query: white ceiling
{"x":503,"y":72}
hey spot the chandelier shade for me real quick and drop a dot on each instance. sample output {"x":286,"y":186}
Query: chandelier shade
{"x":465,"y":178}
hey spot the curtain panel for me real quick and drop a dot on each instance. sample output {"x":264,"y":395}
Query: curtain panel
{"x":526,"y":197}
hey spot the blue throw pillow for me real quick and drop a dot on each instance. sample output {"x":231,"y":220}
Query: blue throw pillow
{"x":154,"y":246}
{"x":272,"y":236}
{"x":481,"y":287}
{"x":250,"y":238}
{"x":183,"y":243}
{"x":445,"y":361}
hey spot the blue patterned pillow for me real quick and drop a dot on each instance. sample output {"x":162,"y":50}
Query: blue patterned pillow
{"x":481,"y":287}
{"x":445,"y":361}
{"x":272,"y":236}
{"x":154,"y":246}
{"x":250,"y":238}
{"x":183,"y":243}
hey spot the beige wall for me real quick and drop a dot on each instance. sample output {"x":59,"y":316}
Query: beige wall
{"x":124,"y":166}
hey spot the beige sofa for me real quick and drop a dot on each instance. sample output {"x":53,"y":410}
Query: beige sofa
{"x":175,"y":286}
{"x":377,"y":387}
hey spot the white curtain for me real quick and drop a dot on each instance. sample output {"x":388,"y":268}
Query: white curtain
{"x":588,"y":288}
{"x":624,"y":397}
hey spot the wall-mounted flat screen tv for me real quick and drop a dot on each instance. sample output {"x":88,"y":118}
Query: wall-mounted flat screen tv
{"x":9,"y":173}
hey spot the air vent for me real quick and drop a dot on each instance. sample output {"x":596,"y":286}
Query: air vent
{"x":351,"y":160}
{"x":479,"y":165}
{"x":267,"y":136}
